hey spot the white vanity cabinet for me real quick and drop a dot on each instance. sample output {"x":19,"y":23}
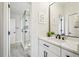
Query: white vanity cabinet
{"x":47,"y":49}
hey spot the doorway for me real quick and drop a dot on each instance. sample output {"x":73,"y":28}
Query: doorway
{"x":20,"y":29}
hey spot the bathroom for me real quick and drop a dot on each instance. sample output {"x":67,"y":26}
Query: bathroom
{"x":40,"y":29}
{"x":58,"y":21}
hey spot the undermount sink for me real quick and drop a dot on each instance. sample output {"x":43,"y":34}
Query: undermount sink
{"x":69,"y":43}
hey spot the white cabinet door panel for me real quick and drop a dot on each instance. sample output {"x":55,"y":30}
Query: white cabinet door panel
{"x":43,"y":52}
{"x":66,"y":53}
{"x":51,"y":47}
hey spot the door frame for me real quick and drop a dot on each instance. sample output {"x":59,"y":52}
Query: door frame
{"x":8,"y":29}
{"x":5,"y":29}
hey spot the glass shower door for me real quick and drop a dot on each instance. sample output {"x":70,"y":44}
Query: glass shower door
{"x":25,"y":31}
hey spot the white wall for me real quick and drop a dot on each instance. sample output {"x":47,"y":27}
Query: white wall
{"x":43,"y":26}
{"x":17,"y":19}
{"x":38,"y":29}
{"x":12,"y":30}
{"x":34,"y":30}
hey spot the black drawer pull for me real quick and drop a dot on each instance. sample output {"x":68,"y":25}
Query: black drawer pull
{"x":67,"y":56}
{"x":45,"y":54}
{"x":45,"y":45}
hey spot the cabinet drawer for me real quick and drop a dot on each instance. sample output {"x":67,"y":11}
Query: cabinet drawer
{"x":45,"y":53}
{"x":66,"y":53}
{"x":50,"y":47}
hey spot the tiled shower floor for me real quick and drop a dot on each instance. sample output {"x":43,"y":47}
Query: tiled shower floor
{"x":16,"y":50}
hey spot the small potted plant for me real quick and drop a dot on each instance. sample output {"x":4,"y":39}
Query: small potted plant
{"x":49,"y":34}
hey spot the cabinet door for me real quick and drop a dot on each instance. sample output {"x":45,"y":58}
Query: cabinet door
{"x":66,"y":53}
{"x":43,"y":52}
{"x":50,"y":47}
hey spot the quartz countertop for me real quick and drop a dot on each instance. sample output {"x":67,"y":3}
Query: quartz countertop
{"x":68,"y":44}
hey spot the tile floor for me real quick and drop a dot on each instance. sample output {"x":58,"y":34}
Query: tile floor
{"x":16,"y":50}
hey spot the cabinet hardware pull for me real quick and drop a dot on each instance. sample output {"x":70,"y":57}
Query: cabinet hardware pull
{"x":45,"y":54}
{"x":67,"y":56}
{"x":45,"y":45}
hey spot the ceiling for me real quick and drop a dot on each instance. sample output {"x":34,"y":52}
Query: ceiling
{"x":19,"y":7}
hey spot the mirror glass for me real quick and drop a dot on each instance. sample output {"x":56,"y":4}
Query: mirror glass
{"x":64,"y":18}
{"x":57,"y":18}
